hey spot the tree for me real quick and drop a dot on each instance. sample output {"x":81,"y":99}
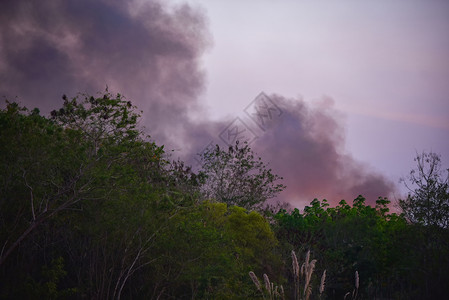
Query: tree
{"x":37,"y":178}
{"x":85,"y":178}
{"x":236,"y":177}
{"x":428,"y":200}
{"x":57,"y":163}
{"x":427,"y":210}
{"x":135,"y":196}
{"x":345,"y":239}
{"x":208,"y":251}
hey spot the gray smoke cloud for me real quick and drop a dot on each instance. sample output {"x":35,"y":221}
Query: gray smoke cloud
{"x":149,"y":51}
{"x":304,"y":142}
{"x":146,"y":50}
{"x":307,"y":147}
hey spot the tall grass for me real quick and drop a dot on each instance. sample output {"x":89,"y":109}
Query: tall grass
{"x":305,"y":274}
{"x":302,"y":276}
{"x":268,"y":290}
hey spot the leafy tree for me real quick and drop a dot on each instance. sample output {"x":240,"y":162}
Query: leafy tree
{"x":39,"y":174}
{"x":87,"y":194}
{"x":181,"y":177}
{"x":236,"y":177}
{"x":139,"y":193}
{"x":345,"y":239}
{"x":87,"y":179}
{"x":53,"y":165}
{"x":428,"y":200}
{"x":207,"y":251}
{"x":427,"y":209}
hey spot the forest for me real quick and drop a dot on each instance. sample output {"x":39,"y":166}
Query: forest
{"x":92,"y":208}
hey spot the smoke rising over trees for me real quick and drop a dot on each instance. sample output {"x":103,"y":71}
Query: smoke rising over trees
{"x":307,"y":148}
{"x":147,"y":50}
{"x":93,"y":207}
{"x":89,"y":207}
{"x":150,"y":51}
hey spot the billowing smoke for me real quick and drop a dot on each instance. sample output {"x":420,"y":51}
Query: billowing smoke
{"x":306,"y":147}
{"x":304,"y":142}
{"x":146,"y":50}
{"x":149,"y":51}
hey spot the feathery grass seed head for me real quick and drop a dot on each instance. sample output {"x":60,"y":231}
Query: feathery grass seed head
{"x":267,"y":282}
{"x":255,"y":280}
{"x":323,"y":280}
{"x":295,"y":264}
{"x":308,"y":276}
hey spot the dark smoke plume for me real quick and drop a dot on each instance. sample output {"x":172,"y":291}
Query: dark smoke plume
{"x":145,"y":50}
{"x":306,"y":147}
{"x":305,"y":144}
{"x":149,"y":51}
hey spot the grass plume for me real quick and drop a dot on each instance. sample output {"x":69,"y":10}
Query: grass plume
{"x":269,"y":290}
{"x":255,"y":280}
{"x":322,"y":284}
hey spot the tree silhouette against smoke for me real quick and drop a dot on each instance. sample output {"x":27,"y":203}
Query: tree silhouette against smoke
{"x":236,"y":177}
{"x":428,"y":200}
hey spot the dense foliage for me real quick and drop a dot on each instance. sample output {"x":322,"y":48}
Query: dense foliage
{"x":91,"y":208}
{"x":395,"y":260}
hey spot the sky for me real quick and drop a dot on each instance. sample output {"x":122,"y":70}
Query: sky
{"x":353,"y":89}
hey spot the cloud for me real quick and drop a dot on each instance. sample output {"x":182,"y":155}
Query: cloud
{"x":306,"y":146}
{"x":147,"y":51}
